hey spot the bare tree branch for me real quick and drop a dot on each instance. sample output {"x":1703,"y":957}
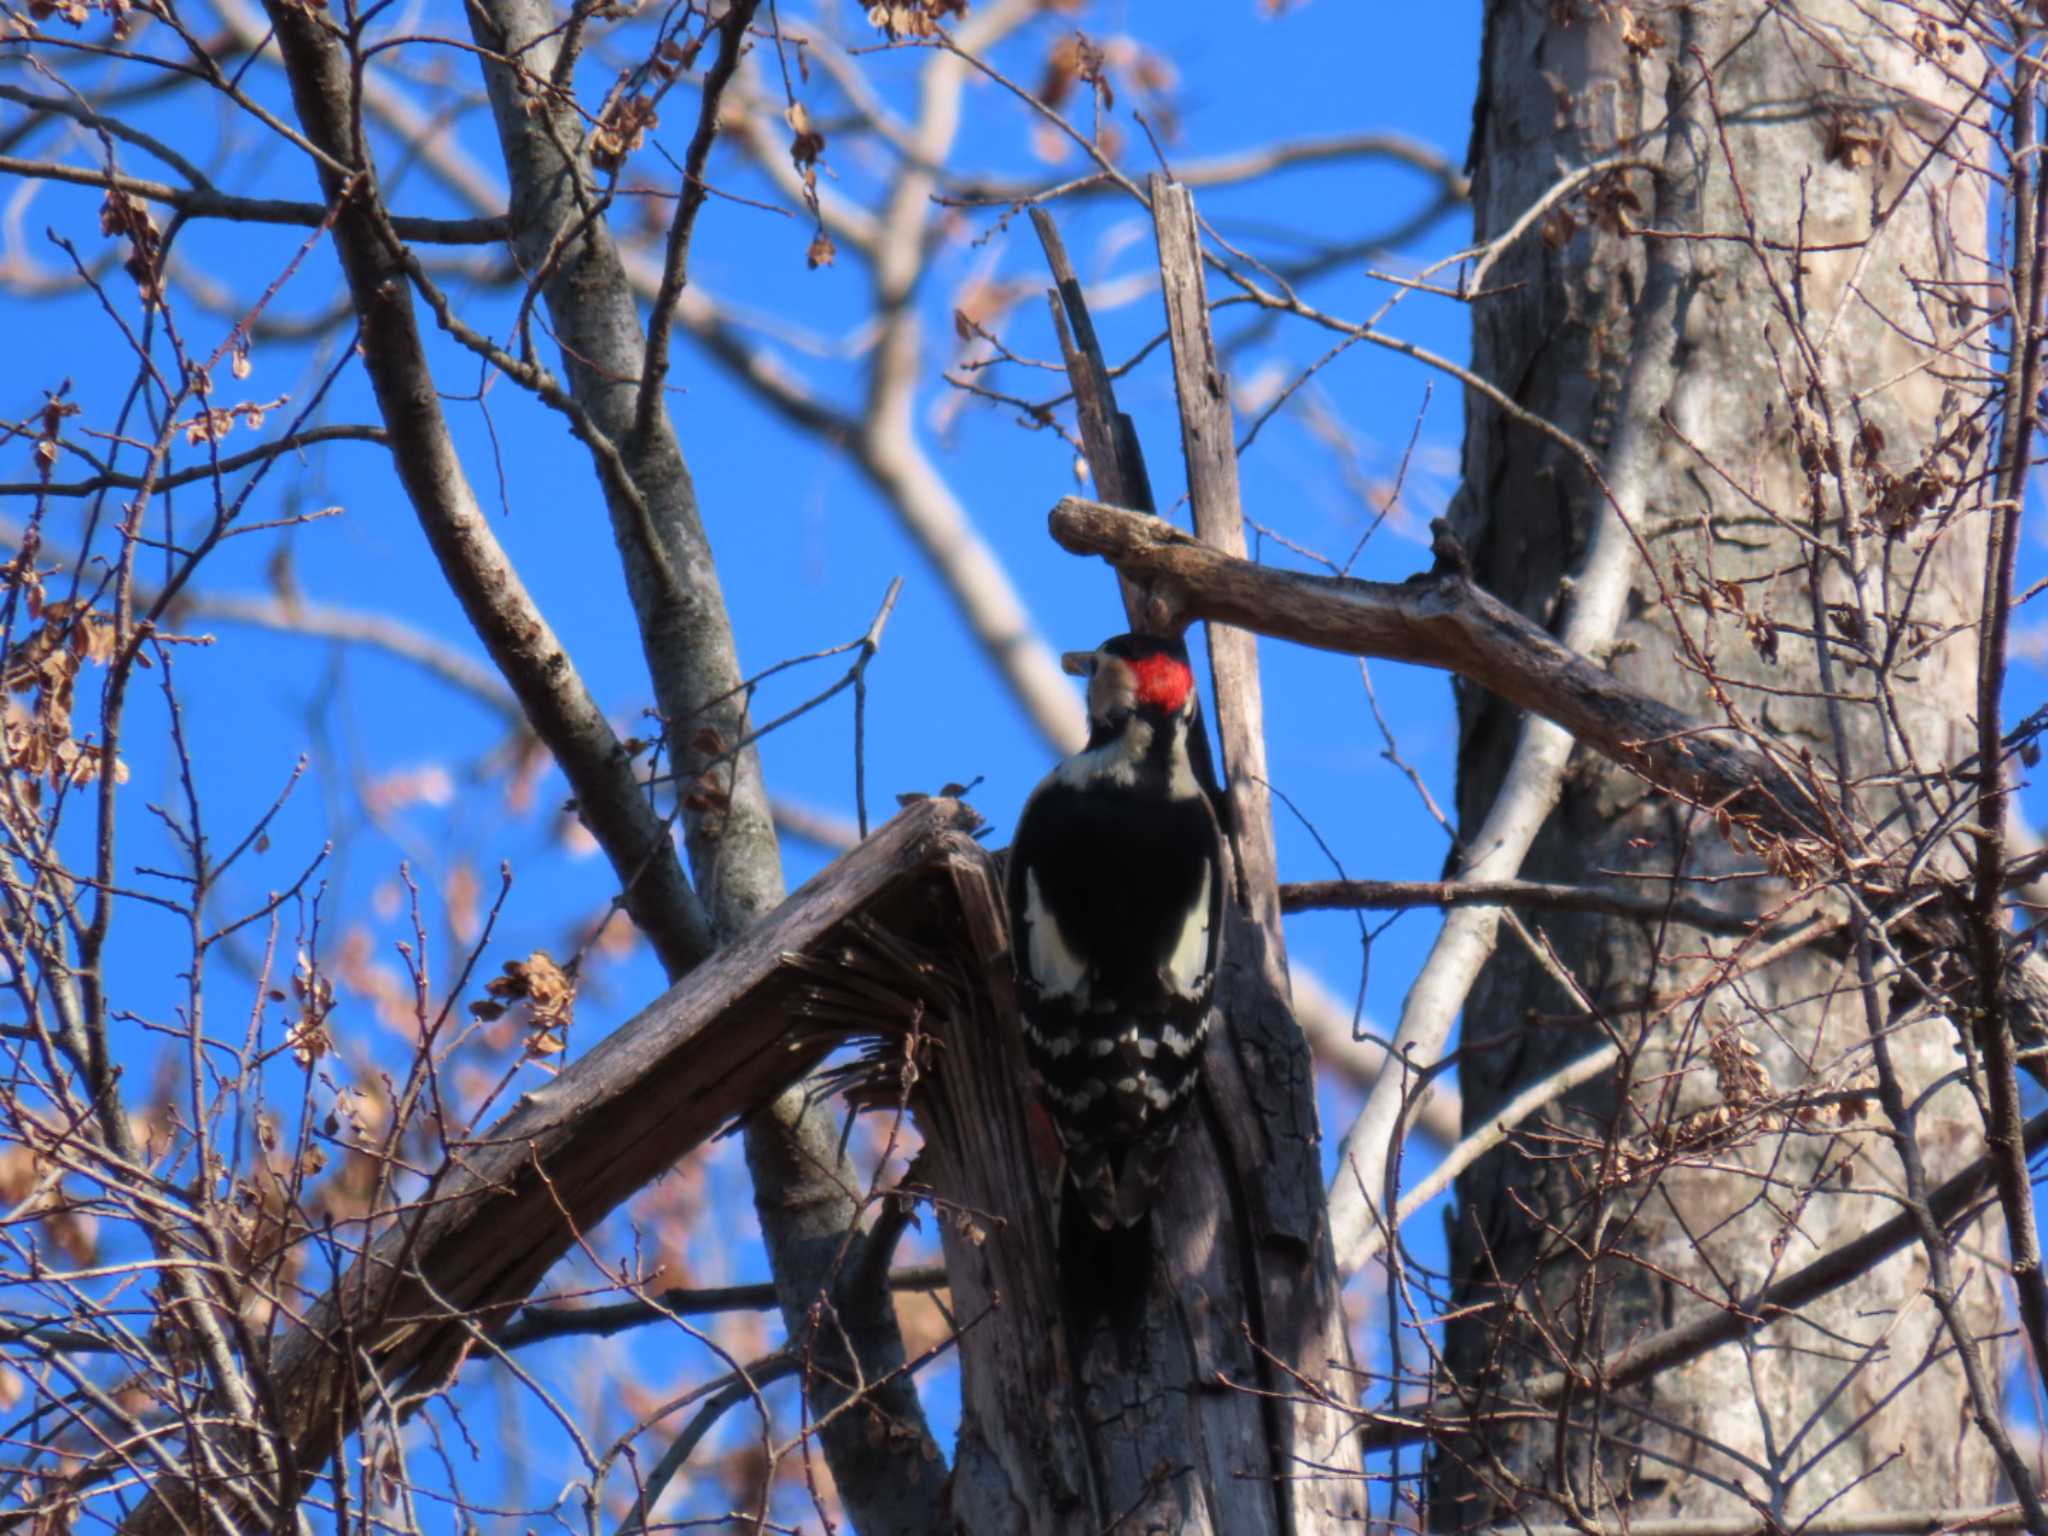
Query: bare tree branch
{"x":291,"y":442}
{"x":1465,"y":1153}
{"x":1241,"y":166}
{"x":206,"y":203}
{"x":1442,"y":620}
{"x":1397,"y":895}
{"x":732,"y":32}
{"x":537,"y":1323}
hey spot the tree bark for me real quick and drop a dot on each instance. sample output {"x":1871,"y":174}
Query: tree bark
{"x":1826,"y":128}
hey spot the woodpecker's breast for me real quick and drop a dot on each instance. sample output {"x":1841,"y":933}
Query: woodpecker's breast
{"x":1116,"y":903}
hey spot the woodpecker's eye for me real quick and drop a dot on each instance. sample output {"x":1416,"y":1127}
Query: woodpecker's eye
{"x":1162,"y":682}
{"x":1112,"y":688}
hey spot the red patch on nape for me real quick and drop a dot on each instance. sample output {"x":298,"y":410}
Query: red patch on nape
{"x":1163,"y":682}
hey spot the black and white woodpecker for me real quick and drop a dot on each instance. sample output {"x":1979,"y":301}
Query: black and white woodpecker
{"x":1116,"y":908}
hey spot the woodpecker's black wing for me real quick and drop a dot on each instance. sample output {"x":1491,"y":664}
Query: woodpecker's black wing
{"x":1116,"y":901}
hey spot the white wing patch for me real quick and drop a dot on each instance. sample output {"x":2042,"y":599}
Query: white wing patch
{"x":1055,"y":968}
{"x":1187,"y":968}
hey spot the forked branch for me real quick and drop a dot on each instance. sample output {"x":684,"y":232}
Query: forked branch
{"x":1444,"y":620}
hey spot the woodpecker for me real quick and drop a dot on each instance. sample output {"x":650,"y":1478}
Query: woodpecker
{"x":1116,"y":907}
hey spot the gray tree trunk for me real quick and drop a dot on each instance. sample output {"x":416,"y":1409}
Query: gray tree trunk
{"x":1806,"y":394}
{"x":881,"y":1460}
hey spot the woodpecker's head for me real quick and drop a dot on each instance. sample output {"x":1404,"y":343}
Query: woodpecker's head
{"x":1136,"y":679}
{"x":1144,"y":721}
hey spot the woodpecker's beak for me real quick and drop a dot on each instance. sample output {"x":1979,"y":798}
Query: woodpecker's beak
{"x":1078,"y":663}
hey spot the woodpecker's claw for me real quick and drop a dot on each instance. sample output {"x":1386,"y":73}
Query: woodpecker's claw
{"x":1078,"y":663}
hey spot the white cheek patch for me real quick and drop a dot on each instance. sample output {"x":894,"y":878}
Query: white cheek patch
{"x":1055,"y":968}
{"x":1187,"y":968}
{"x":1115,"y":762}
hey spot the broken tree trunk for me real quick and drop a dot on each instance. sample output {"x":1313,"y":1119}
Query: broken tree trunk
{"x":505,"y":1204}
